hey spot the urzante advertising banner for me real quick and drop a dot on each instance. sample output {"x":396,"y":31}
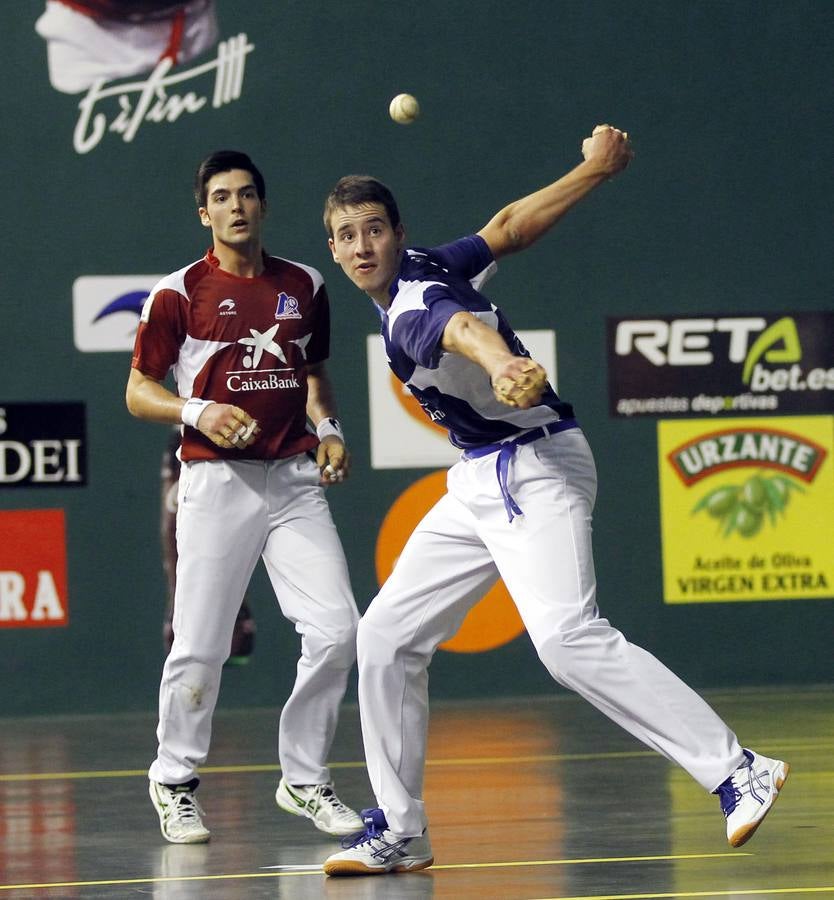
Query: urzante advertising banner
{"x":721,"y":365}
{"x":746,"y":508}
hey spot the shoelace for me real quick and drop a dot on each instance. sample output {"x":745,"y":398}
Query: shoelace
{"x":728,"y":795}
{"x":361,"y":837}
{"x":370,"y":833}
{"x":186,"y":808}
{"x":325,"y":792}
{"x":744,"y":780}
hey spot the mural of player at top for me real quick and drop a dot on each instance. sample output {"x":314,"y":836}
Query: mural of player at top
{"x":91,"y":41}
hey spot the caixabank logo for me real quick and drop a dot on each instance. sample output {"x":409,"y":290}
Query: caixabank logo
{"x":746,"y":509}
{"x":721,"y":365}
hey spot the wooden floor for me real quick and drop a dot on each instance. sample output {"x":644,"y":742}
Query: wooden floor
{"x":540,"y":798}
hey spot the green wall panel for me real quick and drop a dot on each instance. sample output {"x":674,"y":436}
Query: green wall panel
{"x":727,"y":207}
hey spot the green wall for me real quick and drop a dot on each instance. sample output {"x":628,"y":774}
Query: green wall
{"x":727,"y":207}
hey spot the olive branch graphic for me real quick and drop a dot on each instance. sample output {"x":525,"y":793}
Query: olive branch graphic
{"x":743,"y":508}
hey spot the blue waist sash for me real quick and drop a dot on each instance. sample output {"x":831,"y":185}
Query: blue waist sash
{"x":506,"y":451}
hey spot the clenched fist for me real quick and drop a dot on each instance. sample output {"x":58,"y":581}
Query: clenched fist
{"x":520,"y":382}
{"x":609,"y":147}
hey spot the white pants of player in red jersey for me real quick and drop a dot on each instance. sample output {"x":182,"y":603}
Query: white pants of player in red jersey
{"x":544,"y":557}
{"x":229,"y":515}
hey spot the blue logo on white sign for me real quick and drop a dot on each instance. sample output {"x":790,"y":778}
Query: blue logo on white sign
{"x":106,"y":309}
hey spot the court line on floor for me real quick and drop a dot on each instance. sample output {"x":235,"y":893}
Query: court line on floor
{"x":679,"y":857}
{"x":748,"y":892}
{"x":460,"y":761}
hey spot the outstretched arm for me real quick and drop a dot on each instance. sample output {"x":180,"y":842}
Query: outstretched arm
{"x":523,"y":222}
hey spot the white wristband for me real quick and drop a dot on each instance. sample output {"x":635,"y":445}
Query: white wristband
{"x":330,"y":426}
{"x":193,"y":409}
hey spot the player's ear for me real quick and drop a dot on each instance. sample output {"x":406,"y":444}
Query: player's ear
{"x":204,"y":217}
{"x":332,"y":245}
{"x":399,"y":233}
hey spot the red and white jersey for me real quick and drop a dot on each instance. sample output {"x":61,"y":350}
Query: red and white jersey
{"x":130,"y":10}
{"x":245,"y":341}
{"x":89,"y":41}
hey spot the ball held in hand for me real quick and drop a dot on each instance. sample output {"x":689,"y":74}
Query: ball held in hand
{"x":404,"y":109}
{"x":330,"y":474}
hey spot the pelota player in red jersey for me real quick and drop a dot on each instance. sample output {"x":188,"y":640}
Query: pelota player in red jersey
{"x":246,"y":336}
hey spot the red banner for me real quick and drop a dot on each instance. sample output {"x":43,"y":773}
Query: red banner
{"x":33,"y":569}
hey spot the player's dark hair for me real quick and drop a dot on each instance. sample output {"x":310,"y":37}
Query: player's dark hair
{"x":355,"y":190}
{"x":225,"y":161}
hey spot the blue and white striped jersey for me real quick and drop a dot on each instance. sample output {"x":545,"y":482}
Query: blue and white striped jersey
{"x":431,"y":286}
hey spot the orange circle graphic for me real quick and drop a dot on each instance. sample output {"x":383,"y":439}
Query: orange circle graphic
{"x":494,"y":620}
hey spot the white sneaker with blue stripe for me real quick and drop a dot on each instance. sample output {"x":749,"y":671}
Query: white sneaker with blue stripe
{"x":747,"y":795}
{"x":377,"y":850}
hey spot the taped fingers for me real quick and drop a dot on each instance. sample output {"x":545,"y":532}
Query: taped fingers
{"x":531,"y":374}
{"x":238,"y":435}
{"x":243,"y":435}
{"x":523,"y":388}
{"x":249,"y":430}
{"x":598,"y":129}
{"x":504,"y":388}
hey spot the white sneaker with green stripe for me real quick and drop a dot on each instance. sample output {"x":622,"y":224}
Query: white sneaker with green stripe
{"x":180,"y":815}
{"x":319,"y":803}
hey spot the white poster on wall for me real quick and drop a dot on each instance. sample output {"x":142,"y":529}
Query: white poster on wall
{"x":402,"y":436}
{"x":106,"y":309}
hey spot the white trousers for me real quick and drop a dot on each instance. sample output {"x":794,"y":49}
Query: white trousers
{"x":229,"y":514}
{"x":544,"y":556}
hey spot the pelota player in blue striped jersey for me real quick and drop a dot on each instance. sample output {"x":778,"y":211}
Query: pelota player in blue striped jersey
{"x":519,"y":506}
